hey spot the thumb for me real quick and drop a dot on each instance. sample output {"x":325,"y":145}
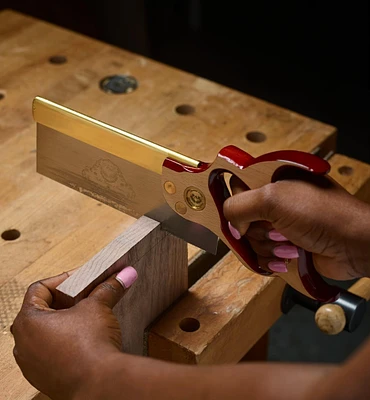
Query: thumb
{"x":246,"y":207}
{"x":112,"y":290}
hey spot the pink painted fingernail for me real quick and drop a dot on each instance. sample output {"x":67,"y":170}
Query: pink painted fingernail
{"x":277,"y":236}
{"x":286,"y":252}
{"x":234,"y":231}
{"x":127,"y":277}
{"x":277,"y":266}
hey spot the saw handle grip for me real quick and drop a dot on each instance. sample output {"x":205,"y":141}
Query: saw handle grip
{"x":201,"y":192}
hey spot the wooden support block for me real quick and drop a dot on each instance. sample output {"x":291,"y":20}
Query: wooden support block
{"x":259,"y":352}
{"x":161,"y":262}
{"x":352,"y":174}
{"x":233,"y":306}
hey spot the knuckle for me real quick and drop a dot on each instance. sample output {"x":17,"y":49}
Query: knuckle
{"x":18,"y":356}
{"x":34,"y":286}
{"x":231,"y":213}
{"x":24,"y":322}
{"x":116,"y":338}
{"x":86,"y":306}
{"x":228,"y":208}
{"x":231,"y":209}
{"x":269,"y":197}
{"x":20,"y":323}
{"x":15,"y":352}
{"x":15,"y":326}
{"x":107,"y":286}
{"x":268,"y":192}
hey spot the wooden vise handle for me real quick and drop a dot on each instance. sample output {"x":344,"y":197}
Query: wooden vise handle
{"x":331,"y":319}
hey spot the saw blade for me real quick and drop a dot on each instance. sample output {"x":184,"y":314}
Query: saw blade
{"x":112,"y":166}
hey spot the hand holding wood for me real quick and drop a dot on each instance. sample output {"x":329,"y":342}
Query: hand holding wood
{"x":57,"y":350}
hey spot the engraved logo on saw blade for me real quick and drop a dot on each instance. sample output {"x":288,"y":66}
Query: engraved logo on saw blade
{"x":107,"y":174}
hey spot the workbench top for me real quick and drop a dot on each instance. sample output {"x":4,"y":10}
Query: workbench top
{"x":61,"y":229}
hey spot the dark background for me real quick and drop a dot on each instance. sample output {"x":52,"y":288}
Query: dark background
{"x":309,"y":56}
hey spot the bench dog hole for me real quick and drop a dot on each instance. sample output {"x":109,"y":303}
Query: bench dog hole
{"x":58,"y":59}
{"x":11,"y":234}
{"x":189,"y":325}
{"x":256,"y":137}
{"x":185,"y":109}
{"x":345,"y":170}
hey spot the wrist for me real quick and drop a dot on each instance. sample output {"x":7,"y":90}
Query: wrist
{"x":118,"y":373}
{"x":97,"y":378}
{"x":358,"y":245}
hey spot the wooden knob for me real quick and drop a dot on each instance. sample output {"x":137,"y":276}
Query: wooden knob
{"x":330,"y":319}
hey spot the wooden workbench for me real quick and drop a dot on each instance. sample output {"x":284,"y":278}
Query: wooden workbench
{"x":61,"y":229}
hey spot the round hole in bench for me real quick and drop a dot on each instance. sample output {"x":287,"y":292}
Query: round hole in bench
{"x":185,"y":109}
{"x":58,"y":59}
{"x":11,"y":234}
{"x":2,"y":95}
{"x":189,"y":325}
{"x":256,"y":136}
{"x":345,"y":170}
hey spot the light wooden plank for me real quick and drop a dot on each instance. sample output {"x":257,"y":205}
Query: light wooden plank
{"x":161,"y":262}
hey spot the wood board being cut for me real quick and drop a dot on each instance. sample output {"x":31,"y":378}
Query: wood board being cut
{"x":161,"y":261}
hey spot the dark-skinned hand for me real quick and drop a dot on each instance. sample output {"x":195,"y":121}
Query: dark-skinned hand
{"x":327,"y":221}
{"x":67,"y":344}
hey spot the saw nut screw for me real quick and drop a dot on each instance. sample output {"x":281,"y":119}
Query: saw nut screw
{"x":180,"y":208}
{"x":194,"y":198}
{"x":170,"y":187}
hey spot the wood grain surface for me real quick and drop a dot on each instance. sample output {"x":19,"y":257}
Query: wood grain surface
{"x":161,"y":261}
{"x":61,"y":229}
{"x":234,"y":308}
{"x":361,"y":288}
{"x":125,"y":250}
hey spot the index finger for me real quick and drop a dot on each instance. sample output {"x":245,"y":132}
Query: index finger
{"x":41,"y":293}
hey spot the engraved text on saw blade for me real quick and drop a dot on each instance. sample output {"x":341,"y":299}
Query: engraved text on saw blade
{"x":105,"y":173}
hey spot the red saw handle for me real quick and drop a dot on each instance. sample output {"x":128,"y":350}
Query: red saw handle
{"x":200,"y":193}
